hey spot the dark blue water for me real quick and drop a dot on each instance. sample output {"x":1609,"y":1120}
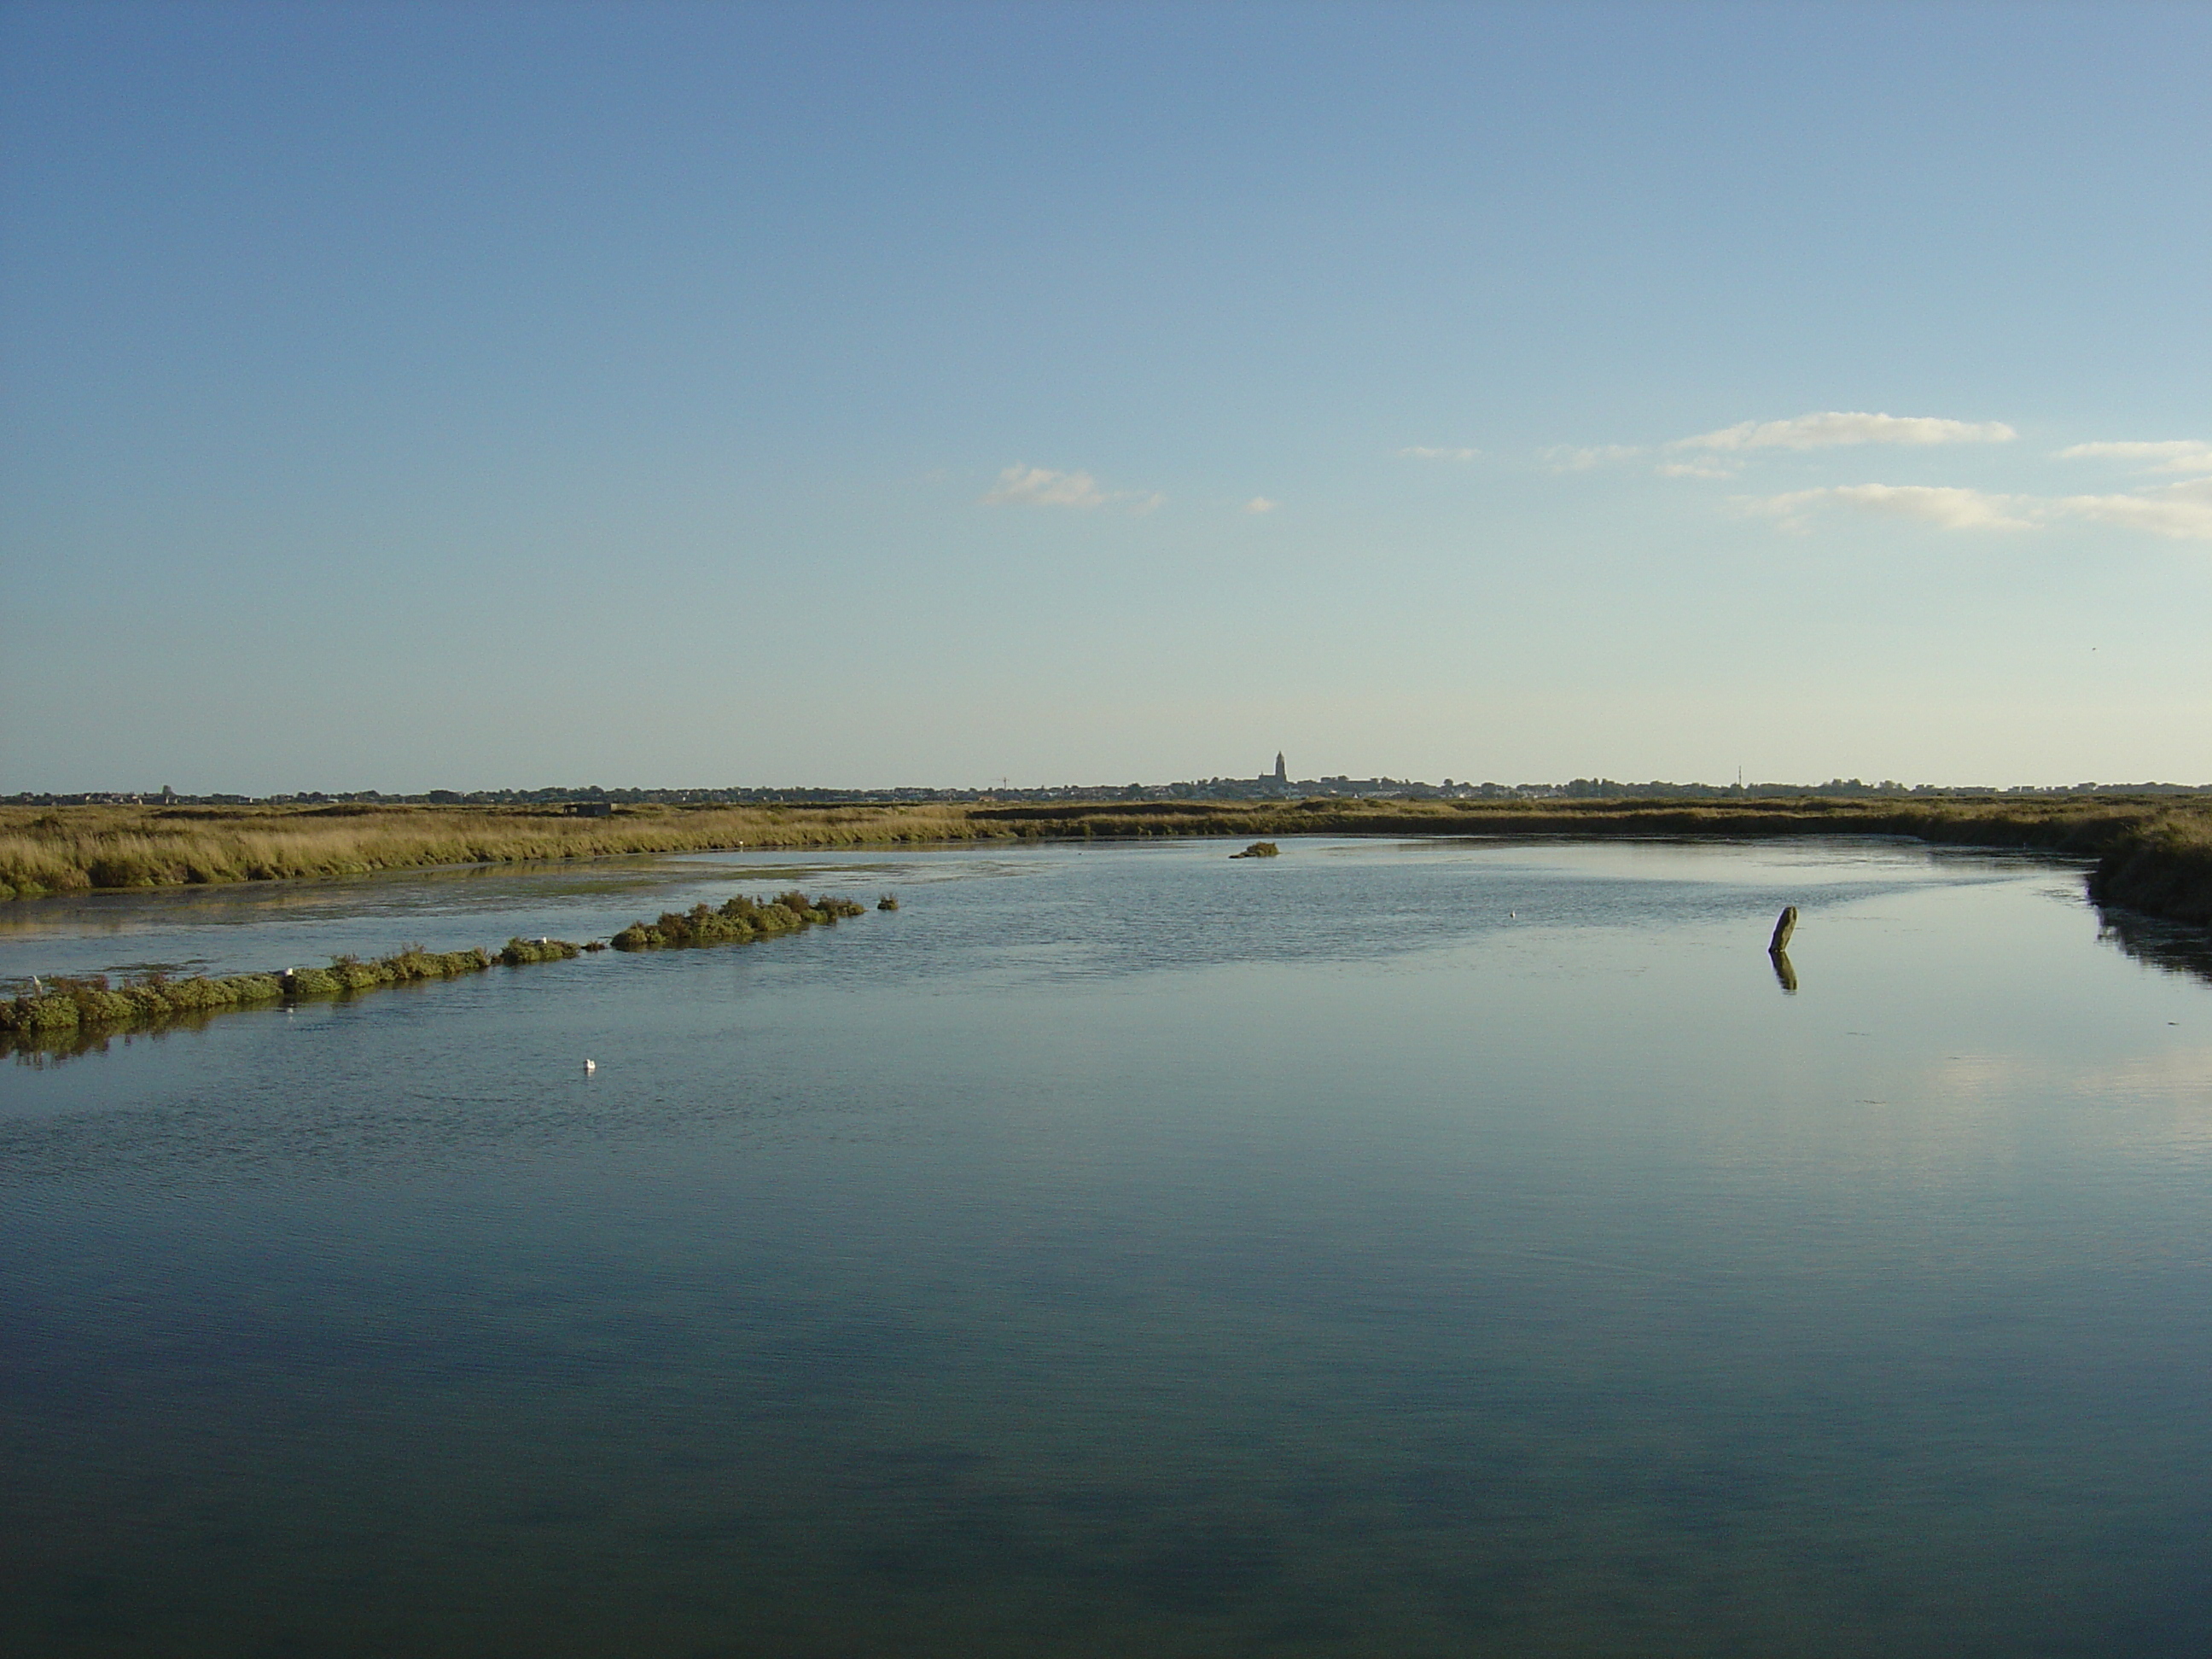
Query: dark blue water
{"x":1440,"y":1249}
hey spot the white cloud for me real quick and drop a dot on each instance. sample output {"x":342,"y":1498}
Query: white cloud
{"x":1946,"y":508}
{"x":1423,"y":453}
{"x":1834,"y":429}
{"x":2171,"y":455}
{"x":1259,"y":504}
{"x":2182,"y":511}
{"x":1041,"y":486}
{"x":1695,"y":469}
{"x":1567,"y":459}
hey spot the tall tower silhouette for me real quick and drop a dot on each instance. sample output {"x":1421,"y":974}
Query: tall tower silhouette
{"x":1281,"y":775}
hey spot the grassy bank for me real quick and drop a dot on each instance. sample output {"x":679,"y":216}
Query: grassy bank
{"x":61,"y":849}
{"x":63,"y":1009}
{"x":2153,"y":854}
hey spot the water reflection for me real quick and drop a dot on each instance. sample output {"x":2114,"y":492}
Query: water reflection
{"x":2175,"y":947}
{"x":1784,"y":974}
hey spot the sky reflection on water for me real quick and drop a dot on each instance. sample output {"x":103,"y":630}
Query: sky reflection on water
{"x":1428,"y":1249}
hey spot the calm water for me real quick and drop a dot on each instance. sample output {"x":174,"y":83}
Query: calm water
{"x":1435,"y":1248}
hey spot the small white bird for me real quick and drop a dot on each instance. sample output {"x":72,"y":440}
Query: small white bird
{"x":590,"y":1067}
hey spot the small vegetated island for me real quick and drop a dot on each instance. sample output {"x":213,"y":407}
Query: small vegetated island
{"x":71,"y":1012}
{"x":739,"y":921}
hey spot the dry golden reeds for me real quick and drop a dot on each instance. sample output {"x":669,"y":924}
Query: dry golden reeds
{"x":72,"y":848}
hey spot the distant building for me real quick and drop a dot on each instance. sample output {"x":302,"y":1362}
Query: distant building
{"x":1282,"y":774}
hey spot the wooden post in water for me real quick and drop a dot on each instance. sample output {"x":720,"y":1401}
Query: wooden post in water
{"x":1784,"y":925}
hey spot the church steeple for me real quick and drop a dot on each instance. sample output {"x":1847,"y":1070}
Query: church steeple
{"x":1281,"y":775}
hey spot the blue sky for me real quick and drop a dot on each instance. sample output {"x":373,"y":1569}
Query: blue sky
{"x":457,"y":396}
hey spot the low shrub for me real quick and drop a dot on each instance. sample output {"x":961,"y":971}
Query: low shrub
{"x":188,"y":994}
{"x":255,"y":988}
{"x":516,"y":951}
{"x":352,"y":974}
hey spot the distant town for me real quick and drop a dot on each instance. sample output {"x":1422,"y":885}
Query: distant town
{"x":1274,"y":784}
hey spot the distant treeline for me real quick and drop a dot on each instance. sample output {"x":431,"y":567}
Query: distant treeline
{"x":2153,"y":851}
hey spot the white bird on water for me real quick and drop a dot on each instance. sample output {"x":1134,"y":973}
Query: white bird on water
{"x":590,"y":1067}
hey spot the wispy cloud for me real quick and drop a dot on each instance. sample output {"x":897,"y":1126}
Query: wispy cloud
{"x":1259,"y":504}
{"x":1423,"y":453}
{"x":1568,"y":458}
{"x":1945,"y":507}
{"x":1700,"y":468}
{"x":2181,"y":511}
{"x":1836,"y":428}
{"x":1042,"y":486}
{"x":2170,"y":455}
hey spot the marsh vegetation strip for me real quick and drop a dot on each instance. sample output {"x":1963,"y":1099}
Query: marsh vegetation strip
{"x":1425,"y":1248}
{"x":2153,"y":853}
{"x":58,"y":1010}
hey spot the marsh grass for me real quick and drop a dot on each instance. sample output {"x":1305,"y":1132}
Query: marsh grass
{"x":74,"y":848}
{"x":1260,"y":849}
{"x":739,"y":920}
